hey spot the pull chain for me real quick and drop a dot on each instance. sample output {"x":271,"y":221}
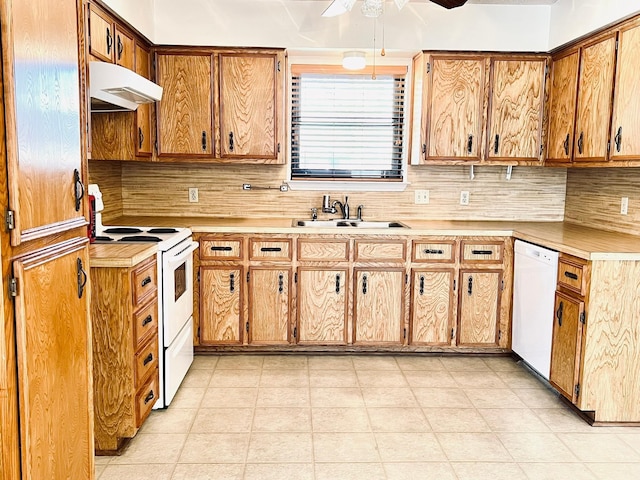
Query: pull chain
{"x":373,"y":73}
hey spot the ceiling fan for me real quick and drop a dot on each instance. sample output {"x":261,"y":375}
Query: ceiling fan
{"x":373,"y":8}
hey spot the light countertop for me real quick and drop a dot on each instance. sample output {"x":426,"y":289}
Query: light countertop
{"x":120,"y":254}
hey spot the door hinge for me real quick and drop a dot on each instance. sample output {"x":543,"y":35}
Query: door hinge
{"x":247,"y":282}
{"x":13,"y":287}
{"x":10,"y":220}
{"x":576,"y":390}
{"x":247,"y":327}
{"x":198,"y":275}
{"x":616,"y":45}
{"x":583,"y":318}
{"x":452,"y":334}
{"x":428,"y":67}
{"x":499,"y":334}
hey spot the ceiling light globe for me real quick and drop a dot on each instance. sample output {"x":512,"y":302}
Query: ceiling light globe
{"x":353,"y":60}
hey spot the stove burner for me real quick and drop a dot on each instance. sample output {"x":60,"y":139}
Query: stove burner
{"x":102,"y":238}
{"x":162,"y":230}
{"x":140,"y":238}
{"x":122,"y":230}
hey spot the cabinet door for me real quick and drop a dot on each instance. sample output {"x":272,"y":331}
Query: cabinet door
{"x":53,"y":343}
{"x":432,"y":303}
{"x":625,"y":141}
{"x":566,"y":345}
{"x":185,"y":115}
{"x":269,"y":305}
{"x":379,"y":306}
{"x":322,"y":306}
{"x":479,"y":307}
{"x":42,"y":99}
{"x":142,"y":132}
{"x":124,"y":49}
{"x":515,"y":110}
{"x":101,"y":34}
{"x":220,"y":305}
{"x":248,"y":106}
{"x":594,"y":100}
{"x":454,"y":118}
{"x":562,"y":107}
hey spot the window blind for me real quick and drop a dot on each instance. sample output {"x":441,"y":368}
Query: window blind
{"x":346,"y":126}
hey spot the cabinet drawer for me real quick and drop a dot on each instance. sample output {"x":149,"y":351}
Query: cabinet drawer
{"x":212,"y":249}
{"x":261,"y":249}
{"x":380,"y":251}
{"x":145,"y":322}
{"x":436,"y":252}
{"x":323,"y":250}
{"x":481,"y":252}
{"x":572,"y":275}
{"x":146,"y":360}
{"x":145,"y":282}
{"x":146,"y":398}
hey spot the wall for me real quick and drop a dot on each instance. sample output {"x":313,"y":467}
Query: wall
{"x":571,"y":19}
{"x":593,"y":198}
{"x":108,"y":175}
{"x":159,"y":190}
{"x":138,"y":13}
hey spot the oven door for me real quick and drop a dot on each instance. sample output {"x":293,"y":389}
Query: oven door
{"x":177,"y":288}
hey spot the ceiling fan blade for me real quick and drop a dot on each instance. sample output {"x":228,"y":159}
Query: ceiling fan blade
{"x":338,"y":7}
{"x":449,"y":3}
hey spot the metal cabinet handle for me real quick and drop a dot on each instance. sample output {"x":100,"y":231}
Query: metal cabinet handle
{"x":78,"y":188}
{"x":221,"y":249}
{"x":280,"y":283}
{"x":145,"y":282}
{"x":571,"y":275}
{"x":338,"y":283}
{"x":140,"y":137}
{"x":364,"y":284}
{"x":147,"y":320}
{"x":271,"y":249}
{"x":81,"y":277}
{"x":149,"y":397}
{"x":204,"y":141}
{"x":470,"y":286}
{"x":421,"y":284}
{"x":618,"y":139}
{"x":232,"y":282}
{"x":482,"y":252}
{"x":559,"y":313}
{"x":231,"y":145}
{"x":580,"y":142}
{"x":109,"y":41}
{"x":120,"y":47}
{"x":496,"y":144}
{"x":148,"y":360}
{"x":430,"y":251}
{"x":566,"y":145}
{"x":470,"y":144}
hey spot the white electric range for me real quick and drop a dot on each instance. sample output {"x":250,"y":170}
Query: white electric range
{"x":175,"y":298}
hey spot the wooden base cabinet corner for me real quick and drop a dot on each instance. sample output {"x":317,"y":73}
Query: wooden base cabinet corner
{"x":124,"y":313}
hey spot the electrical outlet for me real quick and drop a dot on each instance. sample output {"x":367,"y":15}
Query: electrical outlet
{"x":422,"y":197}
{"x":464,"y":198}
{"x":193,"y":195}
{"x":624,"y":205}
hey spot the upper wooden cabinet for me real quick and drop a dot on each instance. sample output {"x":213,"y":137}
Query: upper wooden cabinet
{"x":455,"y":96}
{"x":516,"y":103}
{"x":142,"y":129}
{"x":562,"y":107}
{"x":107,"y":40}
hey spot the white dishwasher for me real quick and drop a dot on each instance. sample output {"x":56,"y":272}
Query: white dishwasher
{"x":534,"y":285}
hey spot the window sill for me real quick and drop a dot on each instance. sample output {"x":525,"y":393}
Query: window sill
{"x":346,"y":186}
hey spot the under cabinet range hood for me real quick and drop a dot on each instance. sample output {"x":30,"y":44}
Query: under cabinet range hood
{"x":118,"y":89}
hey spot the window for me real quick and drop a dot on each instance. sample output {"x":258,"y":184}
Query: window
{"x":347,"y":126}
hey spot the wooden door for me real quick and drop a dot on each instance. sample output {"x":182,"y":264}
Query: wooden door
{"x":42,"y":99}
{"x":566,"y":345}
{"x":142,"y":132}
{"x":455,"y":107}
{"x":595,"y":87}
{"x":432,"y":306}
{"x":562,"y":107}
{"x":479,"y":306}
{"x":515,"y":109}
{"x":221,"y":305}
{"x":379,"y":306}
{"x":269,"y":289}
{"x":322,"y":306}
{"x":185,"y":113}
{"x":248,"y":100}
{"x":124,"y":49}
{"x":625,"y":141}
{"x":53,"y":343}
{"x":101,"y":34}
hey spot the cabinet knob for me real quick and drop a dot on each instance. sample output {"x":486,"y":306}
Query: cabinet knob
{"x":280,"y":283}
{"x":364,"y":284}
{"x":470,"y":285}
{"x":81,"y":276}
{"x":232,"y":282}
{"x":148,"y":359}
{"x":421,"y":284}
{"x":204,"y":141}
{"x":140,"y":138}
{"x":338,"y":283}
{"x":78,"y":189}
{"x":147,"y":320}
{"x":559,"y":313}
{"x":496,"y":144}
{"x":109,"y":41}
{"x":231,"y":143}
{"x":580,"y":142}
{"x":149,"y":397}
{"x":618,"y":139}
{"x":566,"y":145}
{"x":120,"y":47}
{"x":470,"y":144}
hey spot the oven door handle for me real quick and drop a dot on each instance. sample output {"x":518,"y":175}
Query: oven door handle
{"x":183,"y":254}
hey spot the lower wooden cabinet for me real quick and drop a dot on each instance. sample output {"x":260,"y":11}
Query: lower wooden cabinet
{"x":432,"y":306}
{"x":479,"y":307}
{"x":322,"y":306}
{"x":221,"y":305}
{"x":378,"y":306}
{"x":269,"y":309}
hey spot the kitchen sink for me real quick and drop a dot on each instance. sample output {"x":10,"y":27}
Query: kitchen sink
{"x":347,"y":224}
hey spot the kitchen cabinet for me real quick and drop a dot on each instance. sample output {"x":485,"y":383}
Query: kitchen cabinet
{"x":53,"y":349}
{"x":249,"y":110}
{"x":108,"y":41}
{"x":625,"y":144}
{"x":269,"y":305}
{"x":124,"y":315}
{"x":185,"y":114}
{"x":517,"y":91}
{"x":143,"y":141}
{"x":453,"y":111}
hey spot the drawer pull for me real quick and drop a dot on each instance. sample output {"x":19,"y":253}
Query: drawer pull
{"x":221,"y":249}
{"x":559,"y":313}
{"x":566,"y":145}
{"x":571,"y":275}
{"x":271,"y":249}
{"x":430,"y":251}
{"x":580,"y":142}
{"x":232,"y":282}
{"x":148,"y":360}
{"x":145,"y":282}
{"x":482,"y":252}
{"x":496,"y":145}
{"x":149,"y":397}
{"x":618,"y":139}
{"x":470,"y":144}
{"x":338,"y":283}
{"x":421,"y":284}
{"x":470,"y":286}
{"x":204,"y":141}
{"x":147,"y":320}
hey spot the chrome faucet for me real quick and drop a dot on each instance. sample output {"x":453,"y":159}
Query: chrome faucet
{"x":344,"y":207}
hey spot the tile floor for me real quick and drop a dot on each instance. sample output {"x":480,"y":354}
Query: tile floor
{"x":370,"y":417}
